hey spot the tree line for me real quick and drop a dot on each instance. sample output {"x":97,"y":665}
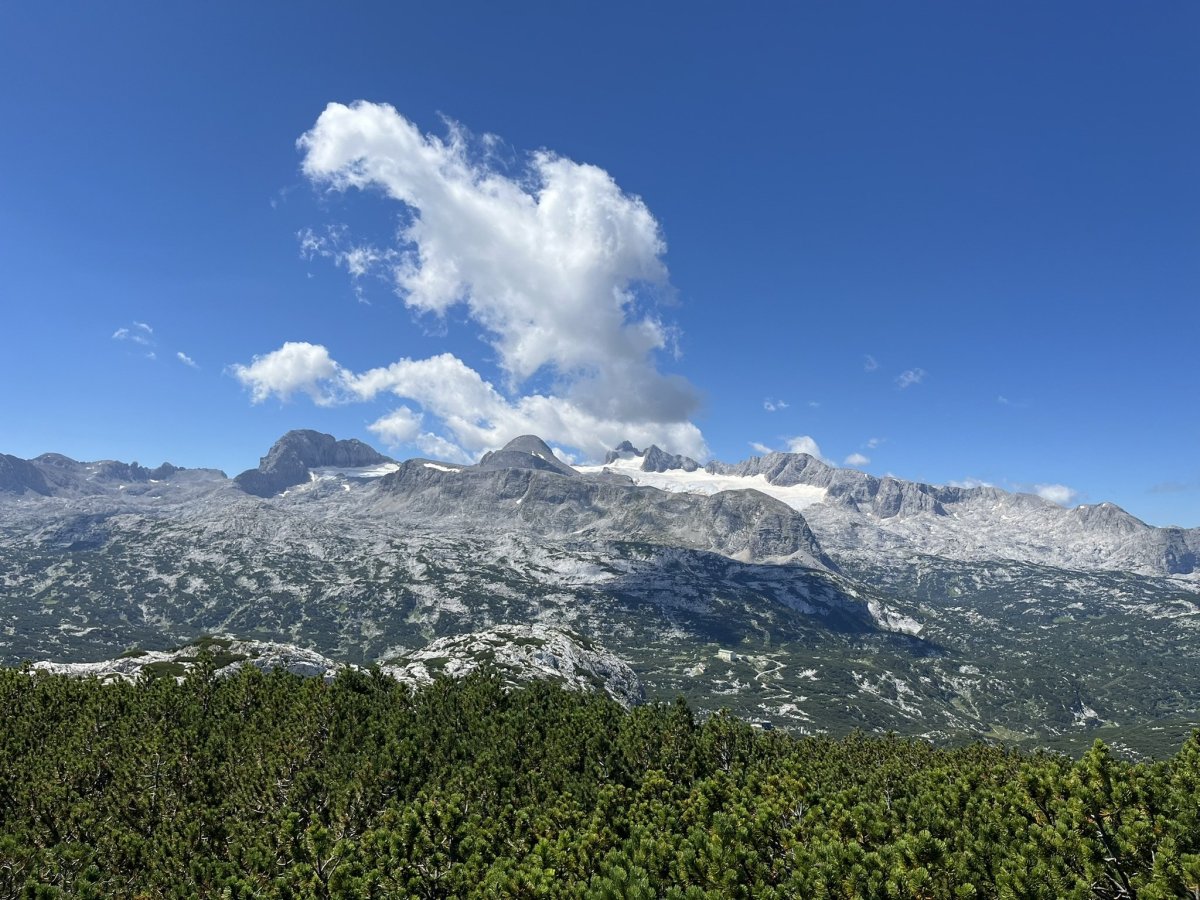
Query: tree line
{"x":269,"y":785}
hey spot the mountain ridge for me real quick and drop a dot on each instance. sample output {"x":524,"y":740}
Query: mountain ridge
{"x":810,"y":597}
{"x":853,"y":512}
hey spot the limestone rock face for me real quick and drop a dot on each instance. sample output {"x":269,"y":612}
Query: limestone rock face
{"x":290,"y":461}
{"x":890,"y":517}
{"x":19,"y":475}
{"x":654,"y":459}
{"x":56,"y":475}
{"x":745,"y":525}
{"x":519,"y":653}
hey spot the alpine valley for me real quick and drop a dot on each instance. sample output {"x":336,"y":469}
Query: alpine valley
{"x":798,"y":595}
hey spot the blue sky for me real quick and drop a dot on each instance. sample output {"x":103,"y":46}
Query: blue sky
{"x":958,"y":241}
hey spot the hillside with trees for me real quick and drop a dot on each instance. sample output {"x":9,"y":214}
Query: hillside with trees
{"x":269,"y":785}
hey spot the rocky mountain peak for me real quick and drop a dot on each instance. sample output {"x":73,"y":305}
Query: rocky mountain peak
{"x":314,"y":449}
{"x":293,"y":456}
{"x":654,"y":458}
{"x":526,"y":452}
{"x":1108,"y":517}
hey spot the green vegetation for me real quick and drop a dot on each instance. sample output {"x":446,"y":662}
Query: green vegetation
{"x":991,"y":659}
{"x":270,"y":785}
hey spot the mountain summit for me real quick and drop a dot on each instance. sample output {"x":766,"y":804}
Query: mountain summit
{"x":526,"y":452}
{"x":290,"y":461}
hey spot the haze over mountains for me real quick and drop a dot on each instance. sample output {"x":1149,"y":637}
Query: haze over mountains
{"x":798,"y":593}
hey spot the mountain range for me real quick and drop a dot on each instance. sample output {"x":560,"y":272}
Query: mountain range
{"x":799,"y":594}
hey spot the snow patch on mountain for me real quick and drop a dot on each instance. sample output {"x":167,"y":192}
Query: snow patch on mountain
{"x":365,"y":473}
{"x":700,"y":481}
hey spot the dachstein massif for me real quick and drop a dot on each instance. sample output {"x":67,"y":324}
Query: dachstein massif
{"x":796,"y":594}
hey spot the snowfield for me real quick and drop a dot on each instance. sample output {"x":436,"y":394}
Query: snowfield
{"x":677,"y":481}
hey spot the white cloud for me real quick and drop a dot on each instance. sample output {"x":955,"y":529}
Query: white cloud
{"x":297,"y":366}
{"x":359,"y":260}
{"x":1014,"y":404}
{"x":400,"y":426}
{"x":1056,"y":493}
{"x":909,"y":377}
{"x":774,"y":405}
{"x":804,"y":444}
{"x":473,"y":413}
{"x":569,"y":458}
{"x":439,"y":448}
{"x":873,"y":443}
{"x":557,"y":266}
{"x":869,"y":363}
{"x":801,"y":443}
{"x":186,"y":360}
{"x":969,"y":483}
{"x":856,"y":459}
{"x":479,"y":417}
{"x":140,"y":333}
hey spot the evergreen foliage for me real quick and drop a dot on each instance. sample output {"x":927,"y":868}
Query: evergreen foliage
{"x":269,"y":785}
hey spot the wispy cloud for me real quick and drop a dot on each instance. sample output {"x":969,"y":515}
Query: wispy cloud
{"x":873,"y":443}
{"x":969,"y":483}
{"x":869,"y":363}
{"x":909,"y":377}
{"x":1174,"y":487}
{"x":140,"y":334}
{"x":186,"y":360}
{"x":359,"y":260}
{"x":137,"y":333}
{"x":774,"y":405}
{"x":1013,"y":404}
{"x":856,"y":459}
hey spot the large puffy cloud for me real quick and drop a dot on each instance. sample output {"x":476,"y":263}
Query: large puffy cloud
{"x":557,"y":266}
{"x":479,"y":417}
{"x":297,"y":366}
{"x":474,"y":414}
{"x":400,"y":426}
